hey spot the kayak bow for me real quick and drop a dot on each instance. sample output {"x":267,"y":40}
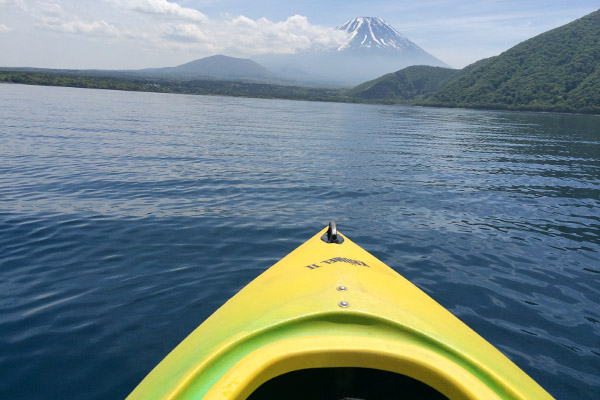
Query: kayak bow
{"x":331,"y":305}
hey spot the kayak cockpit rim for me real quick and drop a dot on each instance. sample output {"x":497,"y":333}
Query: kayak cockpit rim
{"x":285,"y":356}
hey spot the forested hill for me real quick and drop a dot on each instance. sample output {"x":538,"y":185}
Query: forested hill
{"x":411,"y":83}
{"x":556,"y":71}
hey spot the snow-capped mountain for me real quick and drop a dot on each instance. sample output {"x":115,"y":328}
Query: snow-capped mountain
{"x":374,"y":48}
{"x":374,"y":33}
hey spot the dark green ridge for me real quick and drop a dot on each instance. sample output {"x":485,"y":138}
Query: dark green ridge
{"x":199,"y":87}
{"x":411,"y":83}
{"x":556,"y":71}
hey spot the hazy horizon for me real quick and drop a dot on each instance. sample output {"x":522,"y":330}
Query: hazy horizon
{"x":121,"y":34}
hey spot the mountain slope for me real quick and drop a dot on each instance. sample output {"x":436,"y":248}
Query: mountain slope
{"x":410,"y":83}
{"x":373,"y":33}
{"x":415,"y":83}
{"x":374,"y":36}
{"x":373,"y":48}
{"x":215,"y":67}
{"x":556,"y":71}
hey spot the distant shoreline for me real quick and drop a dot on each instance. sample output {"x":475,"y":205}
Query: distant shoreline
{"x":232,"y":89}
{"x":197,"y":87}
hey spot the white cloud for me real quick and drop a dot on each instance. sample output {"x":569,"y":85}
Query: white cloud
{"x":14,"y":4}
{"x":49,"y":9}
{"x":264,"y":36}
{"x":162,"y":8}
{"x":95,"y":27}
{"x":168,"y":25}
{"x":149,"y":28}
{"x":50,"y":15}
{"x":189,"y":33}
{"x":4,"y":28}
{"x":242,"y":36}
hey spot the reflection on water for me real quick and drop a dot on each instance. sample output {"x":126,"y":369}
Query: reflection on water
{"x":125,"y":218}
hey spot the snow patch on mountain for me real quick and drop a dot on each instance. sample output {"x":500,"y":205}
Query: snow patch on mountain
{"x":374,"y":33}
{"x":373,"y":48}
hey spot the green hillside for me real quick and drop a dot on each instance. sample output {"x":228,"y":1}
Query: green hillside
{"x":410,"y":83}
{"x":556,"y":71}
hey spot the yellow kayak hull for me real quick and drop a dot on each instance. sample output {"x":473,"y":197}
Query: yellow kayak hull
{"x":330,"y":305}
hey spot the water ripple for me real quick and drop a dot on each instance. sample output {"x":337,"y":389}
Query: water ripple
{"x":123,"y":228}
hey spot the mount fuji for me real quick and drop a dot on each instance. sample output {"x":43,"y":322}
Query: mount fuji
{"x":374,"y":34}
{"x":374,"y":48}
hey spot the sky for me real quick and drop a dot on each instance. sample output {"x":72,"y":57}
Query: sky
{"x":131,"y":34}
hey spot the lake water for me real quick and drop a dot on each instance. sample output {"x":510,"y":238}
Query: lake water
{"x":126,"y":219}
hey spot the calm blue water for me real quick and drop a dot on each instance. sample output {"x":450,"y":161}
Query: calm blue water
{"x":127,"y":218}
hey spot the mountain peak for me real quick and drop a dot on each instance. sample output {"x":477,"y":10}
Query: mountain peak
{"x":373,"y":33}
{"x":373,"y":48}
{"x":217,"y":67}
